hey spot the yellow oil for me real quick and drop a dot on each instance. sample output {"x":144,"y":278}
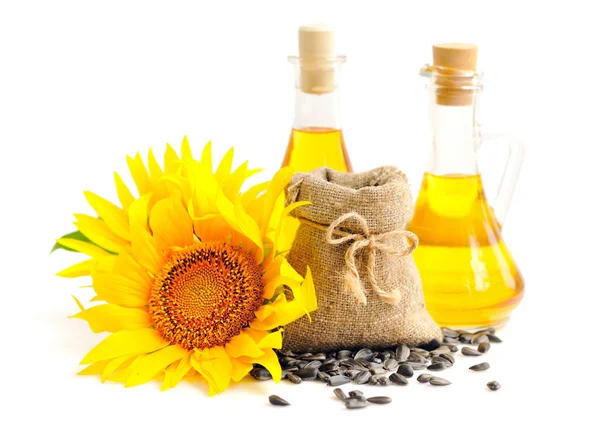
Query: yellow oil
{"x":469,"y":277}
{"x":313,"y":147}
{"x":309,"y":149}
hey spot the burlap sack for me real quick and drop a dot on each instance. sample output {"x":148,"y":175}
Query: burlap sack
{"x":353,"y":238}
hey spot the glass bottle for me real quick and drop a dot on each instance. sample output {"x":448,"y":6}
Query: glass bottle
{"x":469,"y":276}
{"x":316,"y":139}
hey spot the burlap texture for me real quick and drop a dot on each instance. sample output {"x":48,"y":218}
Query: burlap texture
{"x":382,"y":197}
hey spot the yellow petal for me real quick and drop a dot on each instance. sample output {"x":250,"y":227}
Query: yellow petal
{"x":119,"y":290}
{"x":243,"y":345}
{"x":83,"y":247}
{"x":224,"y":168}
{"x":186,"y":151}
{"x":241,"y":222}
{"x":239,"y":369}
{"x":116,"y":364}
{"x":123,"y":192}
{"x":155,"y":170}
{"x":231,"y":185}
{"x":269,"y":361}
{"x":171,"y":224}
{"x":139,"y":174}
{"x":98,"y":232}
{"x":309,"y":293}
{"x":152,"y":364}
{"x":94,"y":369}
{"x":171,"y":159}
{"x":183,"y":368}
{"x":130,"y":269}
{"x":83,"y":268}
{"x":289,"y":225}
{"x":272,"y":341}
{"x":125,"y":370}
{"x":113,"y":318}
{"x":273,"y":285}
{"x":115,"y":218}
{"x":124,"y":343}
{"x":215,"y":365}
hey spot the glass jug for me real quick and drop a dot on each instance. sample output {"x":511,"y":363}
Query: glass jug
{"x":469,"y":276}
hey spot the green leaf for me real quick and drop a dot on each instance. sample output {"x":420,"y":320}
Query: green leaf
{"x":77,"y":235}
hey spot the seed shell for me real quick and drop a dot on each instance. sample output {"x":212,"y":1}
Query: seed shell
{"x":469,"y":351}
{"x":340,"y":394}
{"x":336,"y":381}
{"x":405,"y":370}
{"x":380,"y":400}
{"x":439,"y":382}
{"x":424,"y":378}
{"x":483,"y":347}
{"x":278,"y":401}
{"x":402,"y":353}
{"x":437,"y":367}
{"x":398,"y":379}
{"x":293,"y":378}
{"x":356,"y":404}
{"x":480,"y":367}
{"x":494,"y":385}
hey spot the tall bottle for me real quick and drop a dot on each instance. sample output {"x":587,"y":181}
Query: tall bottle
{"x":316,"y":139}
{"x":469,"y":276}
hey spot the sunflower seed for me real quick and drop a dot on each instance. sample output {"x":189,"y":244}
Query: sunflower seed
{"x":480,"y":367}
{"x":390,"y":364}
{"x":293,"y":378}
{"x":343,"y":354}
{"x":433,"y":344}
{"x":466,"y":338}
{"x":398,"y":379}
{"x":316,"y":357}
{"x":453,"y":348}
{"x":480,"y":338}
{"x":405,"y":370}
{"x":356,"y":404}
{"x":402,"y":353}
{"x":483,"y":347}
{"x":365,"y":354}
{"x":469,"y":351}
{"x":305,"y":355}
{"x":424,"y":378}
{"x":330,"y":360}
{"x":323,"y":377}
{"x":451,"y":340}
{"x":437,"y":367}
{"x":439,"y":359}
{"x":278,"y":401}
{"x":378,"y":371}
{"x":448,"y":357}
{"x":362,"y":378}
{"x":385,"y":381}
{"x":260,"y":374}
{"x":330,"y":366}
{"x":287,"y":359}
{"x":287,"y":353}
{"x":301,"y":364}
{"x":439,"y":382}
{"x":331,"y":355}
{"x":440,"y":350}
{"x":336,"y":381}
{"x":314,"y":364}
{"x":375,"y":365}
{"x":377,"y":360}
{"x":373,"y":381}
{"x":357,"y":394}
{"x":385,"y":355}
{"x":292,"y":369}
{"x":363,"y":362}
{"x":380,"y":400}
{"x":417,"y":366}
{"x":494,"y":339}
{"x":415,"y":357}
{"x":340,"y":394}
{"x":307,"y":374}
{"x":494,"y":385}
{"x":450,"y":333}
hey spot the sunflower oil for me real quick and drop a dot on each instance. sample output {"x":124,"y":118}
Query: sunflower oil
{"x":469,"y":277}
{"x":313,"y":147}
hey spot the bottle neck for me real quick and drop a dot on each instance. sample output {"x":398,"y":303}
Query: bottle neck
{"x":320,"y":111}
{"x":455,"y":139}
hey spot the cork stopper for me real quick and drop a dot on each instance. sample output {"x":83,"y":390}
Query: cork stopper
{"x":316,"y":48}
{"x":454,"y":67}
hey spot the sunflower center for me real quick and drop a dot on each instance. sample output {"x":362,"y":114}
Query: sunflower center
{"x":206,"y":294}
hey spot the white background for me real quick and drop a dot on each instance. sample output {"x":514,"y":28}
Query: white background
{"x":82,"y":84}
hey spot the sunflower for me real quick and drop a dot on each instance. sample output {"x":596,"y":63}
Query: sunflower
{"x":186,"y":274}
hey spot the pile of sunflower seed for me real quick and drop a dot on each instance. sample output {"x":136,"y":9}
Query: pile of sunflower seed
{"x":385,"y":367}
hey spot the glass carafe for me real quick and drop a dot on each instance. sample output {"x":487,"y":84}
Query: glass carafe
{"x":470,"y":279}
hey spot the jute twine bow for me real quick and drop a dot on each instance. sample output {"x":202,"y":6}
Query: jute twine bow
{"x":372,"y":242}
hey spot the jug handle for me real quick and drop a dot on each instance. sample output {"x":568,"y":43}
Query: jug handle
{"x":510,"y":176}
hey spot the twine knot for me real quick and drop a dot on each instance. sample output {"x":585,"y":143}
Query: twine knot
{"x":374,"y":243}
